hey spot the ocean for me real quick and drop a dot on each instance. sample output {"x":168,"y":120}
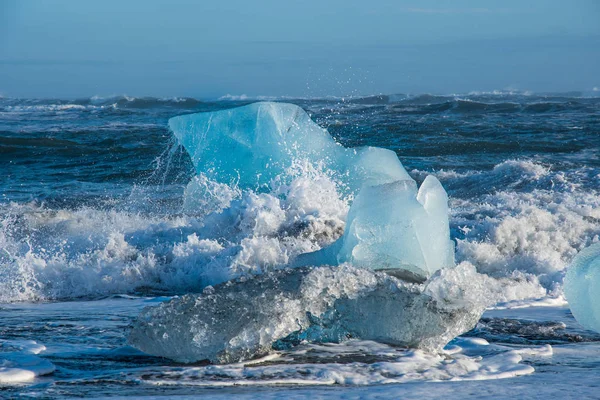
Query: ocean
{"x":95,"y":225}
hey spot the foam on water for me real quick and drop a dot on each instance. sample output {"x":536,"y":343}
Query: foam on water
{"x":531,"y":220}
{"x":50,"y":254}
{"x":395,"y":366}
{"x":536,"y":233}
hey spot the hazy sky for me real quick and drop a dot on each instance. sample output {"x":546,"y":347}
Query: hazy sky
{"x":205,"y":49}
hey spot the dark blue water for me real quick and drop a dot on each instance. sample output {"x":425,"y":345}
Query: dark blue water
{"x":92,"y":212}
{"x":97,"y":149}
{"x":508,"y":161}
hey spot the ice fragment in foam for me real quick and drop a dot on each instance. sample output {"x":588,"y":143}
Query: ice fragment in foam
{"x":19,"y":361}
{"x":582,"y":287}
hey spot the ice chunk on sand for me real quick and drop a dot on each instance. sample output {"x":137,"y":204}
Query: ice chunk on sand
{"x":244,"y":319}
{"x":394,"y":227}
{"x":582,"y":287}
{"x":253,"y":144}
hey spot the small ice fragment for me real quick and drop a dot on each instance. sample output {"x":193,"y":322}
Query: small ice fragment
{"x":19,"y":361}
{"x":582,"y":287}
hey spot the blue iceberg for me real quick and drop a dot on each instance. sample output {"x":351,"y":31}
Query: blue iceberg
{"x":582,"y":287}
{"x":327,"y":295}
{"x":390,"y":226}
{"x":253,"y":144}
{"x":394,"y":227}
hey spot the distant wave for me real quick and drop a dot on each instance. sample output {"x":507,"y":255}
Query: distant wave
{"x":503,"y":101}
{"x":96,"y":103}
{"x":428,"y":105}
{"x":145,"y":102}
{"x":425,"y":98}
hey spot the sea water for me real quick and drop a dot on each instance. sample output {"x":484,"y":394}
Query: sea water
{"x":95,"y":225}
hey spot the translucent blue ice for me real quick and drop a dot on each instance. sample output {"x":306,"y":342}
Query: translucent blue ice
{"x":394,"y":226}
{"x":390,"y":226}
{"x":582,"y":287}
{"x":257,"y":142}
{"x":244,"y":319}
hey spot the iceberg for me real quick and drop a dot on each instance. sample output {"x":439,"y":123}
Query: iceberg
{"x":390,"y":277}
{"x":391,"y":225}
{"x":248,"y":318}
{"x":253,"y":144}
{"x":582,"y":287}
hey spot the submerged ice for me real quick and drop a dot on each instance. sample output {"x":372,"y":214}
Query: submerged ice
{"x":250,"y":317}
{"x":19,"y":361}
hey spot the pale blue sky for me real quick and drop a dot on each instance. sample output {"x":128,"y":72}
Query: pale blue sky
{"x":69,"y":48}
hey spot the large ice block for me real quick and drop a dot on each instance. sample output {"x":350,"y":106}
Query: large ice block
{"x":390,"y":225}
{"x":393,"y":227}
{"x":582,"y":287}
{"x":243,"y":319}
{"x":251,"y":145}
